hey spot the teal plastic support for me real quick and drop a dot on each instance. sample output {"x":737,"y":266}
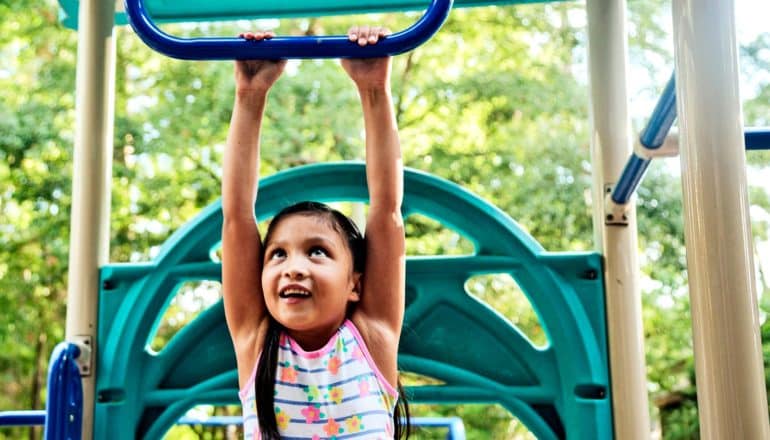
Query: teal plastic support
{"x":560,"y":391}
{"x":165,"y":11}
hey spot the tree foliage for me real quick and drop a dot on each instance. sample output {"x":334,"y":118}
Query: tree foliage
{"x":494,"y":102}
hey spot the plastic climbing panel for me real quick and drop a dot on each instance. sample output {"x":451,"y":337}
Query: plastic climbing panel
{"x":207,"y":10}
{"x":558,"y":391}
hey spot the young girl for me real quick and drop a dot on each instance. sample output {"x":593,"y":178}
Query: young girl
{"x":315,"y":311}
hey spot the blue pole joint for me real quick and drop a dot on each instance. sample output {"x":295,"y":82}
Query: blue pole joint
{"x":279,"y":47}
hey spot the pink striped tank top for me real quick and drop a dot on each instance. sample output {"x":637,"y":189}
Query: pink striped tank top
{"x":333,"y":393}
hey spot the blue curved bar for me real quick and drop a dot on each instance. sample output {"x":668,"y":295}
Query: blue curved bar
{"x":757,"y":138}
{"x":64,"y":408}
{"x":630,"y":179}
{"x":662,"y":118}
{"x":284,"y":47}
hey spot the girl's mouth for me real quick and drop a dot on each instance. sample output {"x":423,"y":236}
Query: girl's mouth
{"x":293,"y":295}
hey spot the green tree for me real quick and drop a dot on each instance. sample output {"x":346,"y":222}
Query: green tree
{"x":492,"y":102}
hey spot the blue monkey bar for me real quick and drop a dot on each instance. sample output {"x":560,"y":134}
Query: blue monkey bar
{"x":279,"y":47}
{"x":653,"y":136}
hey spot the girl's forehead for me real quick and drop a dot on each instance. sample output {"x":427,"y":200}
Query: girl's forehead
{"x":300,"y":226}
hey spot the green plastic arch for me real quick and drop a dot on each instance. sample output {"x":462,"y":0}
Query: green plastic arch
{"x":560,"y":391}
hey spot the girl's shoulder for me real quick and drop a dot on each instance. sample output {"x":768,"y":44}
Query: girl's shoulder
{"x":381,"y":344}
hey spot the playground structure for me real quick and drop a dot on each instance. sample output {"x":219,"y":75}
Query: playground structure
{"x":590,"y":380}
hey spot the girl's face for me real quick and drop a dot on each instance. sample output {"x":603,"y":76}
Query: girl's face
{"x":308,"y":277}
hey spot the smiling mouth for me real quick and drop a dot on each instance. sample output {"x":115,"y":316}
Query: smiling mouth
{"x":294,"y":293}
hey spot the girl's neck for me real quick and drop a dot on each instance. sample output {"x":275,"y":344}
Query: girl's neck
{"x":314,"y":339}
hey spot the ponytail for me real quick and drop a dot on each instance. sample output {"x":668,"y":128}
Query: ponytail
{"x":264,"y":385}
{"x":402,"y":426}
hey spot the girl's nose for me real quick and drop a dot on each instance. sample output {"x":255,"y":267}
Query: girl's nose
{"x":295,"y":270}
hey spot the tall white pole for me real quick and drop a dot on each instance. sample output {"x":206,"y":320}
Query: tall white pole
{"x":732,"y":400}
{"x":616,"y":240}
{"x":92,"y":173}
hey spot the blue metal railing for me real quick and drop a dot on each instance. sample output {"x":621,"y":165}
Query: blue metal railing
{"x":64,"y":407}
{"x":757,"y":138}
{"x":22,"y":418}
{"x":283,"y":47}
{"x":654,"y":135}
{"x":454,"y":425}
{"x":63,"y":416}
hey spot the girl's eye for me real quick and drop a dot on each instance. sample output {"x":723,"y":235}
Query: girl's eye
{"x":318,"y":251}
{"x":277,"y":253}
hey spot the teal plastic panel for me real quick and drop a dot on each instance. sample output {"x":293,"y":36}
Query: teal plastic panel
{"x":560,"y":391}
{"x":207,"y":10}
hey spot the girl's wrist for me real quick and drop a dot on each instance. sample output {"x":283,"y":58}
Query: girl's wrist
{"x":373,"y":91}
{"x":251,"y":93}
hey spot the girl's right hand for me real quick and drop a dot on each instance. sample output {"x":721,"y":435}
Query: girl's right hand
{"x":257,"y":75}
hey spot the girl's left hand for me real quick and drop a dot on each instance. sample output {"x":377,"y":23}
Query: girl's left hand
{"x":368,"y":72}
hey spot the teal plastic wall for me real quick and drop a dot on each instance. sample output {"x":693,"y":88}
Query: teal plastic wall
{"x":560,"y":391}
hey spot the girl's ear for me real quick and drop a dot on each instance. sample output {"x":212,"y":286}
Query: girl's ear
{"x":355,"y":294}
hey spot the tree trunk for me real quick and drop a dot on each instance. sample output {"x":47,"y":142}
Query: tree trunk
{"x":37,"y":379}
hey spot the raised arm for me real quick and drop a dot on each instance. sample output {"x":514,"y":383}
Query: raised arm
{"x":382,"y":301}
{"x":241,"y":246}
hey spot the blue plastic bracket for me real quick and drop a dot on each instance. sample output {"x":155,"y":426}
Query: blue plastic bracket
{"x":220,"y":48}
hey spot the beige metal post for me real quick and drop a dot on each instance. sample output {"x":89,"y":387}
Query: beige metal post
{"x":616,"y":239}
{"x":732,"y":400}
{"x":92,"y":173}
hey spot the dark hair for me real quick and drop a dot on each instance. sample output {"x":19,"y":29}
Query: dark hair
{"x":268,"y":361}
{"x":339,"y":221}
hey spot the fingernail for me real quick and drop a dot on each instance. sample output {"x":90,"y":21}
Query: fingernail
{"x":353,"y":37}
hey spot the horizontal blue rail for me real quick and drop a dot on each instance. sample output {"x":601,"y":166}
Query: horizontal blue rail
{"x":455,"y":426}
{"x":757,"y":138}
{"x":283,"y":47}
{"x":22,"y":418}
